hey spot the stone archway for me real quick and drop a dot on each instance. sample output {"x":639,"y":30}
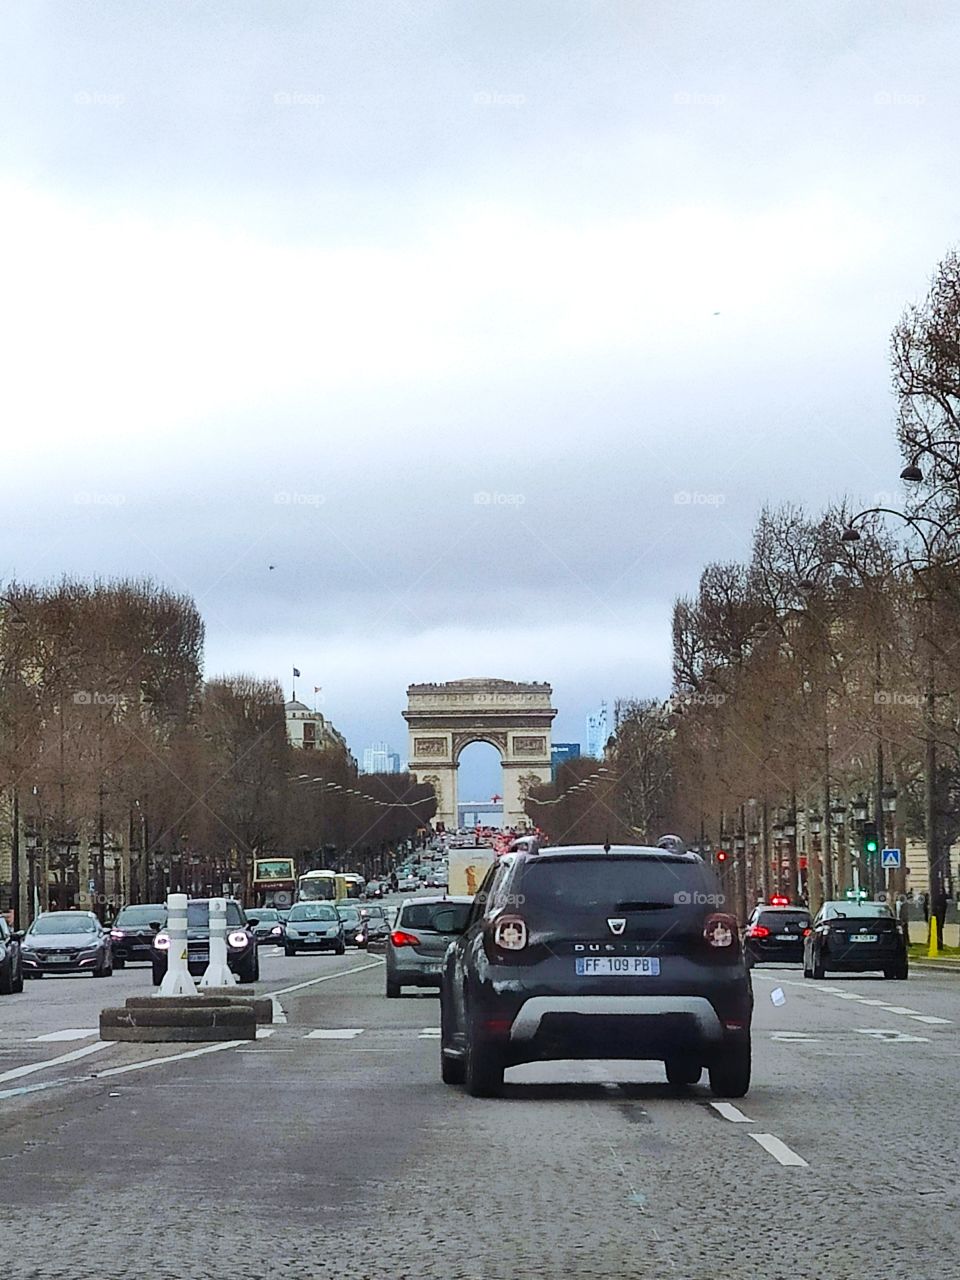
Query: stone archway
{"x":515,"y":718}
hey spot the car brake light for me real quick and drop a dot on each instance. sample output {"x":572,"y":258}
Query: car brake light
{"x":807,"y":932}
{"x":758,"y":931}
{"x":720,"y":930}
{"x":401,"y":939}
{"x":510,"y":933}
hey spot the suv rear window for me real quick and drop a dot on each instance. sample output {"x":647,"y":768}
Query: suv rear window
{"x":421,"y":915}
{"x":616,"y":883}
{"x":774,"y":920}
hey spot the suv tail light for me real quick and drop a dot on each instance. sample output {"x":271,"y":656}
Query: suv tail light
{"x":720,"y":931}
{"x":401,"y":939}
{"x":758,"y":931}
{"x":510,"y":933}
{"x":807,"y":932}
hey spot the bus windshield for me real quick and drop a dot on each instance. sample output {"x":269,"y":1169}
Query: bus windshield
{"x":317,"y":886}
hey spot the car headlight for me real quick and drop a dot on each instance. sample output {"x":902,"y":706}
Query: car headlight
{"x":291,"y":932}
{"x":276,"y":929}
{"x":117,"y":933}
{"x":237,"y":939}
{"x":162,"y":941}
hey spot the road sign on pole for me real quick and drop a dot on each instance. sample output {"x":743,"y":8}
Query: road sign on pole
{"x":890,"y":858}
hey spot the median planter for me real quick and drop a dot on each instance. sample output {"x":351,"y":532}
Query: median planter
{"x":262,"y":1006}
{"x":178,"y":1022}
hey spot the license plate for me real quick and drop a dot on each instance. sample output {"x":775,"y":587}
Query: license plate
{"x":864,"y":937}
{"x":623,"y":966}
{"x":58,"y":959}
{"x":786,"y":937}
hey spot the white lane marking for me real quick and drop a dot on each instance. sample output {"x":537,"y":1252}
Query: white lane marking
{"x":891,"y":1035}
{"x":17,"y":1072}
{"x":169,"y":1057}
{"x":327,"y":977}
{"x":338,"y":1033}
{"x":849,"y":995}
{"x":72,"y":1033}
{"x":879,"y":1004}
{"x":264,"y":1033}
{"x":931,"y":1020}
{"x":278,"y":1013}
{"x":730,"y":1112}
{"x":779,"y":1150}
{"x":430,"y":1033}
{"x":898,"y":1008}
{"x":794,"y":1037}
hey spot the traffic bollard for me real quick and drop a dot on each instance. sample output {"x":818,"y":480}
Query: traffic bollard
{"x":217,"y":972}
{"x":177,"y":980}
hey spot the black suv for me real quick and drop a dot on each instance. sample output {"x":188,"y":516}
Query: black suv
{"x":590,"y":952}
{"x":774,"y":935}
{"x":242,"y":958}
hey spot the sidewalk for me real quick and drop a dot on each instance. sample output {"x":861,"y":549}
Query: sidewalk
{"x":948,"y":961}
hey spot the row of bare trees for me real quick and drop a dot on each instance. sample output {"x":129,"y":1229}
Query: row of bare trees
{"x":123,"y":772}
{"x":817,"y":685}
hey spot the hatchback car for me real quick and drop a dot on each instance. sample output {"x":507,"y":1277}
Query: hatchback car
{"x":313,"y":926}
{"x":11,"y":961}
{"x":132,"y":932}
{"x":242,"y":958}
{"x":775,"y":935}
{"x":855,"y":937}
{"x":266,"y":924}
{"x":67,"y":942}
{"x":587,"y":952}
{"x":421,"y":933}
{"x":351,"y":920}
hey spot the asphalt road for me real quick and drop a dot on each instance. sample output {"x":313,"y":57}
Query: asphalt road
{"x":330,"y":1148}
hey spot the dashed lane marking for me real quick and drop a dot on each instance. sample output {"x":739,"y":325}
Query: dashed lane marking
{"x":430,"y":1033}
{"x":327,"y":977}
{"x":17,"y":1072}
{"x":891,"y":1035}
{"x":731,"y":1113}
{"x":899,"y":1009}
{"x":72,"y":1033}
{"x":335,"y":1033}
{"x":779,"y":1150}
{"x":794,"y":1037}
{"x":931,"y":1020}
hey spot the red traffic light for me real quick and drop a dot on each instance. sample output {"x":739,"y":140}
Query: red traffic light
{"x":721,"y":855}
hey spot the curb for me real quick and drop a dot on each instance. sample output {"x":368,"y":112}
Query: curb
{"x":178,"y":1023}
{"x":262,"y":1006}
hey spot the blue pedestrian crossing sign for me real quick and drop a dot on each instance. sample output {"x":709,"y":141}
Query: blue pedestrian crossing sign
{"x":890,"y":858}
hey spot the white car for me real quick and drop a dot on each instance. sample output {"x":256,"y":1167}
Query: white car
{"x":408,"y":883}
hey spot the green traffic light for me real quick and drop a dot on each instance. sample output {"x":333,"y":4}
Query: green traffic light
{"x":872,"y":846}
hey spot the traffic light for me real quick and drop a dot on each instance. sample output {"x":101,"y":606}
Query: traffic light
{"x":721,"y":856}
{"x":871,"y":842}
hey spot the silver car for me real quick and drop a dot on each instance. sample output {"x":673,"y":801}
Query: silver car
{"x":422,"y":931}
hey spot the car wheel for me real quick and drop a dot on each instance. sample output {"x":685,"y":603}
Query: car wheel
{"x":730,"y":1074}
{"x":289,"y":951}
{"x":682,"y":1072}
{"x":18,"y":980}
{"x":818,"y":970}
{"x":393,"y":989}
{"x":482,"y":1067}
{"x":748,"y":960}
{"x":249,"y":973}
{"x":158,"y":975}
{"x":6,"y":979}
{"x":118,"y":963}
{"x":451,"y":1069}
{"x":340,"y":949}
{"x":99,"y":971}
{"x":896,"y":972}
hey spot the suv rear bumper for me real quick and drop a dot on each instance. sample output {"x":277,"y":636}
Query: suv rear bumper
{"x":696,"y":1010}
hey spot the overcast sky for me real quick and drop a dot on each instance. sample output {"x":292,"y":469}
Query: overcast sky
{"x":444,"y":310}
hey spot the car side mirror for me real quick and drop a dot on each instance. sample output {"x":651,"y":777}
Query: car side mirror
{"x":18,"y":935}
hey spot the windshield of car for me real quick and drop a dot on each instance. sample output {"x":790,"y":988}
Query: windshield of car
{"x":130,"y":916}
{"x":263,"y":915}
{"x":198,"y":914}
{"x":423,"y":915}
{"x":65,"y":922}
{"x":348,"y":913}
{"x":310,"y":911}
{"x":873,"y":910}
{"x":577,"y":884}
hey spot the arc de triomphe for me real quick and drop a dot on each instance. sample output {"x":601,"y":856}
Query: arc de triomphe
{"x":514,"y":718}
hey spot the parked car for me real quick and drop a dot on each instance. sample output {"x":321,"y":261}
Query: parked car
{"x":775,"y":935}
{"x":11,"y":961}
{"x":420,"y":936}
{"x":314,"y":926}
{"x":133,"y":930}
{"x":596,"y":952}
{"x":242,"y":957}
{"x":67,"y":942}
{"x":267,"y":925}
{"x":855,"y":937}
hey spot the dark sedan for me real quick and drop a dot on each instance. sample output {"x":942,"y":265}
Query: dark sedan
{"x":11,"y":962}
{"x":373,"y":932}
{"x":855,"y":937}
{"x":133,"y":930}
{"x":314,"y":926}
{"x":67,"y":942}
{"x":267,"y":924}
{"x":775,"y":935}
{"x":242,"y":956}
{"x":351,"y":920}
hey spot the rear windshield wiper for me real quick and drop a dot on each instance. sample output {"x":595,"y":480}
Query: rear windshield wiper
{"x":644,"y":906}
